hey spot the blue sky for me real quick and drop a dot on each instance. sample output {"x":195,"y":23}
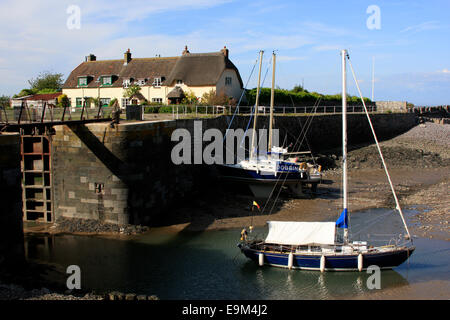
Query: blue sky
{"x":411,"y":50}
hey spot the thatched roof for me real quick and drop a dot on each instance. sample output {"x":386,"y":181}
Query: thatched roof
{"x":138,"y":96}
{"x":198,"y":69}
{"x":194,"y":69}
{"x":176,"y":92}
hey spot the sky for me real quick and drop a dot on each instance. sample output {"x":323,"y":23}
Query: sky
{"x":407,"y":42}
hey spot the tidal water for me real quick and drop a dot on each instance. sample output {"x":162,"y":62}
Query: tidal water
{"x":208,"y":265}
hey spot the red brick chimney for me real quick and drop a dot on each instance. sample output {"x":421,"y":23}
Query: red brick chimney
{"x":126,"y":57}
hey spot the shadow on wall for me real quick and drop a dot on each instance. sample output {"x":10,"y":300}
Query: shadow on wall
{"x":11,"y":234}
{"x":127,"y":175}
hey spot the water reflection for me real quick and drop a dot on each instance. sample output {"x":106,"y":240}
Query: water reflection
{"x":208,"y":265}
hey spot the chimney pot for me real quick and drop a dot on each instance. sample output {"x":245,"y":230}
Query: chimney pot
{"x":225,"y":51}
{"x":91,"y":57}
{"x":126,"y":57}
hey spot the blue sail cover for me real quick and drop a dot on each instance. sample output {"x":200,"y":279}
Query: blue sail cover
{"x":342,"y":222}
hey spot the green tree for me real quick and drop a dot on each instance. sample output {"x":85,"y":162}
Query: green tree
{"x":25,"y":92}
{"x":113,"y":103}
{"x":94,"y":101}
{"x":189,"y":98}
{"x":4,"y":101}
{"x":298,"y":88}
{"x":47,"y":80}
{"x":131,"y":91}
{"x":63,"y":101}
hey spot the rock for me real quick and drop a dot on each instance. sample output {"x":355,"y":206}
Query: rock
{"x":153,"y":297}
{"x":130,"y":296}
{"x":141,"y":297}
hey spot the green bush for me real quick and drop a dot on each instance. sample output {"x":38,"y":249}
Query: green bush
{"x":299,"y":98}
{"x":165,"y":109}
{"x":151,"y":109}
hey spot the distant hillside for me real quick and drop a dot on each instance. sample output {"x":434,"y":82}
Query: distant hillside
{"x":295,"y":97}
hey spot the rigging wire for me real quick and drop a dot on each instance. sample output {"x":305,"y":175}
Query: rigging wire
{"x":303,"y":133}
{"x":379,"y":150}
{"x":253,"y":108}
{"x":240,"y":99}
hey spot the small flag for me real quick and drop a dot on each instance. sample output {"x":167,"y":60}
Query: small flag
{"x":257,"y":205}
{"x":342,"y":222}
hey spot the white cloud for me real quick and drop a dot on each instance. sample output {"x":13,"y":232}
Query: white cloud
{"x":290,"y":58}
{"x":328,"y":47}
{"x":425,"y":26}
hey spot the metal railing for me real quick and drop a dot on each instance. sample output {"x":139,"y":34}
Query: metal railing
{"x":177,"y":110}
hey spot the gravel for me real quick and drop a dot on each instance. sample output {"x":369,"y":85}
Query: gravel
{"x":93,"y":226}
{"x":438,"y":134}
{"x":16,"y":292}
{"x":424,"y":146}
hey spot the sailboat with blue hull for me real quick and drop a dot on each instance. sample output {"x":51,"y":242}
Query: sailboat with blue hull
{"x":319,"y":245}
{"x":274,"y":166}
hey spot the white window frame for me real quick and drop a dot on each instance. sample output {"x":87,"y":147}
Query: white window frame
{"x":106,"y":82}
{"x":126,"y":83}
{"x":140,"y":82}
{"x":125,"y":102}
{"x":157,"y":82}
{"x":157,"y":100}
{"x":82,"y":79}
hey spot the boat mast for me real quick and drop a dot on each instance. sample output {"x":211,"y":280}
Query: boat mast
{"x":272,"y":96}
{"x":344,"y":138}
{"x":373,"y":76}
{"x":252,"y":151}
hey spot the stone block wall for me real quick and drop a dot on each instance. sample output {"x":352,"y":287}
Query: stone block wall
{"x":394,"y":106}
{"x":117,"y":175}
{"x":11,"y":235}
{"x":126,"y":175}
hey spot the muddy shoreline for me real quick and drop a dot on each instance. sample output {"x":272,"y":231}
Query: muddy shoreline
{"x":418,"y":162}
{"x":419,"y":165}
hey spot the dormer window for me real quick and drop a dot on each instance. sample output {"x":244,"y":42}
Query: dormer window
{"x":140,"y":82}
{"x":82,"y":81}
{"x":157,"y":82}
{"x":126,"y":83}
{"x":106,"y":80}
{"x":179,"y":81}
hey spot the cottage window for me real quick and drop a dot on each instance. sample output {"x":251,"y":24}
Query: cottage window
{"x":82,"y":81}
{"x":157,"y":82}
{"x":140,"y":82}
{"x":126,"y":83}
{"x":106,"y":80}
{"x":228,"y":81}
{"x":79,"y":102}
{"x":104,"y":102}
{"x":157,"y":100}
{"x":125,"y":102}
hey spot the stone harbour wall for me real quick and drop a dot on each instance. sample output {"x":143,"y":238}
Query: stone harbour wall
{"x":125,"y":175}
{"x":121,"y":175}
{"x":394,"y":106}
{"x":11,"y":235}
